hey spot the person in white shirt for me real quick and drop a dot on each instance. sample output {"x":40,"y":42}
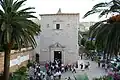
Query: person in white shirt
{"x":52,"y":77}
{"x":62,"y":69}
{"x":59,"y":74}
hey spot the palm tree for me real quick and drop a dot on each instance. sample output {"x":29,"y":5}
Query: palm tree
{"x":105,"y":8}
{"x":15,"y":28}
{"x":106,"y":32}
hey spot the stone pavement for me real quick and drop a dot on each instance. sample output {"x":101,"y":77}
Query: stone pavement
{"x":93,"y":71}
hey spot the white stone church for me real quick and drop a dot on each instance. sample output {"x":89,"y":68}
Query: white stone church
{"x":59,"y":37}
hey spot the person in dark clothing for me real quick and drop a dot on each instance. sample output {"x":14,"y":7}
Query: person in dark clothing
{"x":69,"y":78}
{"x":31,"y":78}
{"x":81,"y":56}
{"x":86,"y":66}
{"x":81,"y":66}
{"x":66,"y":68}
{"x":74,"y":70}
{"x":98,"y":63}
{"x":103,"y":65}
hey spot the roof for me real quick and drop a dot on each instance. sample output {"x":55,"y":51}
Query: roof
{"x":59,"y":14}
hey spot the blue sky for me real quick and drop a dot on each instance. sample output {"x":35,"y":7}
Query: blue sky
{"x":67,"y":6}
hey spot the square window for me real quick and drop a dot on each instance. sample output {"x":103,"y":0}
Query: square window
{"x":48,"y":25}
{"x":57,"y":26}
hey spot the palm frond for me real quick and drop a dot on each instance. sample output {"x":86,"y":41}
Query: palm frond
{"x":18,"y":4}
{"x":92,"y":12}
{"x":106,"y":11}
{"x":26,"y":9}
{"x":100,"y":5}
{"x":105,"y":8}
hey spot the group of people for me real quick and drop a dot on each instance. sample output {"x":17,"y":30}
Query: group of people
{"x":84,"y":66}
{"x":35,"y":72}
{"x":56,"y":68}
{"x":53,"y":70}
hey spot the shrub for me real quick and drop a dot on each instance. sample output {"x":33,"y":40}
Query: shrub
{"x":103,"y":78}
{"x":20,"y":74}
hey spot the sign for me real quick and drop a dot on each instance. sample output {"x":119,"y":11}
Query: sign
{"x":19,"y":60}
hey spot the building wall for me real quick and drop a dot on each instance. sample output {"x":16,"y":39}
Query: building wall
{"x":84,"y":26}
{"x":67,"y":36}
{"x":17,"y":59}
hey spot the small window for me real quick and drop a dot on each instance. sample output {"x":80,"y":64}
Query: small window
{"x":68,"y":25}
{"x":57,"y":26}
{"x":48,"y":25}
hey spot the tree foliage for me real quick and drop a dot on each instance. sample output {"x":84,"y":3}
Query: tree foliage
{"x":106,"y":32}
{"x":15,"y":25}
{"x":105,"y":8}
{"x":89,"y":45}
{"x":83,"y":41}
{"x":16,"y":28}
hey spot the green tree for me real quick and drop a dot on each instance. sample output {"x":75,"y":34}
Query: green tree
{"x":83,"y":41}
{"x":107,"y":32}
{"x":89,"y":45}
{"x":20,"y":74}
{"x":16,"y":28}
{"x":105,"y":8}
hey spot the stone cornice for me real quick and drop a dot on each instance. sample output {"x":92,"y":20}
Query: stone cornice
{"x":17,"y":51}
{"x":59,"y":14}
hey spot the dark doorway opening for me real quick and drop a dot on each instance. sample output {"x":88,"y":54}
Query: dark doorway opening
{"x":57,"y":55}
{"x":37,"y":58}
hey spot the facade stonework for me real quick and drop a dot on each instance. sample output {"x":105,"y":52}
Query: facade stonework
{"x":59,"y":37}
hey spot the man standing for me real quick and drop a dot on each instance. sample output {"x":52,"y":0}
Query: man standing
{"x":81,"y":65}
{"x":98,"y":62}
{"x":81,"y":56}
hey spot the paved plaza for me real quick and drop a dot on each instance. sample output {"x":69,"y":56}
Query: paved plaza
{"x":93,"y":71}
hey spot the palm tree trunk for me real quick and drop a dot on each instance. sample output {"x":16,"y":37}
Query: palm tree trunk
{"x":6,"y":64}
{"x":7,"y":49}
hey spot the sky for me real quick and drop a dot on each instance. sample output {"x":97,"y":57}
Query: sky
{"x":67,"y":6}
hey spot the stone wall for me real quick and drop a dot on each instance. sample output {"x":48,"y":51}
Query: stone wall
{"x":66,"y":36}
{"x":16,"y":58}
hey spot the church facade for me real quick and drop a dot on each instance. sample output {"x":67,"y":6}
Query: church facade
{"x":59,"y":37}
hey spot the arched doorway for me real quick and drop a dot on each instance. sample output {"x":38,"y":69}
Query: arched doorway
{"x":37,"y":57}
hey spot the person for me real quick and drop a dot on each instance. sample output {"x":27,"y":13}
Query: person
{"x":66,"y":68}
{"x":52,"y":77}
{"x":98,"y":62}
{"x":69,"y":78}
{"x":92,"y":58}
{"x":59,"y":74}
{"x":88,"y":63}
{"x":86,"y":66}
{"x":31,"y":71}
{"x":31,"y":78}
{"x":62,"y":69}
{"x":103,"y":65}
{"x":106,"y":69}
{"x":74,"y":70}
{"x":81,"y":56}
{"x":81,"y":65}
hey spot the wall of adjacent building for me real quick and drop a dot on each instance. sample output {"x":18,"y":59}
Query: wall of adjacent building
{"x":84,"y":26}
{"x":17,"y":58}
